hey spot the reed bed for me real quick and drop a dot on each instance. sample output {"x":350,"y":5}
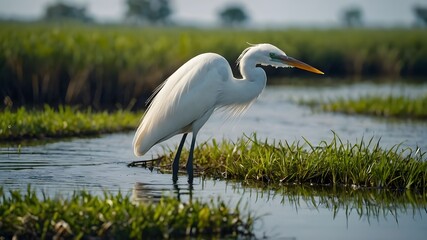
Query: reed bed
{"x":382,"y":106}
{"x":86,"y":216}
{"x":65,"y":121}
{"x":335,"y":163}
{"x":101,"y":66}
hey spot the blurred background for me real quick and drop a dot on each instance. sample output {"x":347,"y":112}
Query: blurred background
{"x":113,"y":53}
{"x":253,"y":14}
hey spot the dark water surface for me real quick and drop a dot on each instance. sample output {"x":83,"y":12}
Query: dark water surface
{"x":98,"y":164}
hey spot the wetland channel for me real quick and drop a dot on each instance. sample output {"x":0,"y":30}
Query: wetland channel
{"x":286,"y":212}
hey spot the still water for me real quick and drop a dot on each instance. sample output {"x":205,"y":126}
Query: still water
{"x":98,"y":164}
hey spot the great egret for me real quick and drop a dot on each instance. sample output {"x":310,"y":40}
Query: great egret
{"x":186,"y":100}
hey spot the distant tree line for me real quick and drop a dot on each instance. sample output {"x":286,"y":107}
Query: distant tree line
{"x":233,"y":16}
{"x":64,"y":11}
{"x":421,"y":15}
{"x":353,"y":16}
{"x":155,"y":12}
{"x":158,"y":12}
{"x":150,"y":11}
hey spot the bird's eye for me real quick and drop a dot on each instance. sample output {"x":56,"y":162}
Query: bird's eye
{"x":274,"y":56}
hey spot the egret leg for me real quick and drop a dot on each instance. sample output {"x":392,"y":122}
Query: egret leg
{"x":175,"y":164}
{"x":190,"y":160}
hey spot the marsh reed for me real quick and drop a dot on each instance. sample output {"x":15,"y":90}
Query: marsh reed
{"x":109,"y":66}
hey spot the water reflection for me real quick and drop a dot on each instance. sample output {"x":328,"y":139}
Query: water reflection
{"x":307,"y":212}
{"x":143,"y":192}
{"x":369,"y":204}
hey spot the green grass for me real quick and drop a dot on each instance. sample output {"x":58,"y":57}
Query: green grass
{"x":382,"y":106}
{"x":25,"y":124}
{"x":334,"y":163}
{"x":107,"y":65}
{"x":87,"y":216}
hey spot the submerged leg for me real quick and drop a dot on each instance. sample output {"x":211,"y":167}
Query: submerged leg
{"x":190,"y":160}
{"x":175,"y":164}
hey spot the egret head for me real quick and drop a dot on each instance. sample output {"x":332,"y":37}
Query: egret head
{"x":269,"y":55}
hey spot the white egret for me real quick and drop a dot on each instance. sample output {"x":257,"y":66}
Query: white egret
{"x":186,"y":100}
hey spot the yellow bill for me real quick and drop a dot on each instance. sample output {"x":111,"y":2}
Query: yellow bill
{"x":298,"y":64}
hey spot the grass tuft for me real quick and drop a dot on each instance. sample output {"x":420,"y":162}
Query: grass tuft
{"x":24,"y":124}
{"x":336,"y":163}
{"x":382,"y":106}
{"x":83,"y":215}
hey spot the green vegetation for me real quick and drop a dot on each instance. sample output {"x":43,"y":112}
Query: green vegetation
{"x":330,"y":163}
{"x":101,"y":66}
{"x":87,"y":216}
{"x":384,"y":106}
{"x":25,"y":124}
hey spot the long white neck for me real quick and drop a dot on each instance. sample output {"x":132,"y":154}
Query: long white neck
{"x":245,"y":90}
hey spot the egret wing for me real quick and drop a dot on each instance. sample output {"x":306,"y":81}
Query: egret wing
{"x":188,"y":95}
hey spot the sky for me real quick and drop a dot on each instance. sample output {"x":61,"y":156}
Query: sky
{"x":263,"y":13}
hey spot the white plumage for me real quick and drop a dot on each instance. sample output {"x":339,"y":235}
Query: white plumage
{"x":183,"y":102}
{"x":186,"y":100}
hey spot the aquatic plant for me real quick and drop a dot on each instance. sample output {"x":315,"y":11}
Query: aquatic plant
{"x":383,"y":106}
{"x":334,"y":163}
{"x":65,"y":121}
{"x":84,"y":216}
